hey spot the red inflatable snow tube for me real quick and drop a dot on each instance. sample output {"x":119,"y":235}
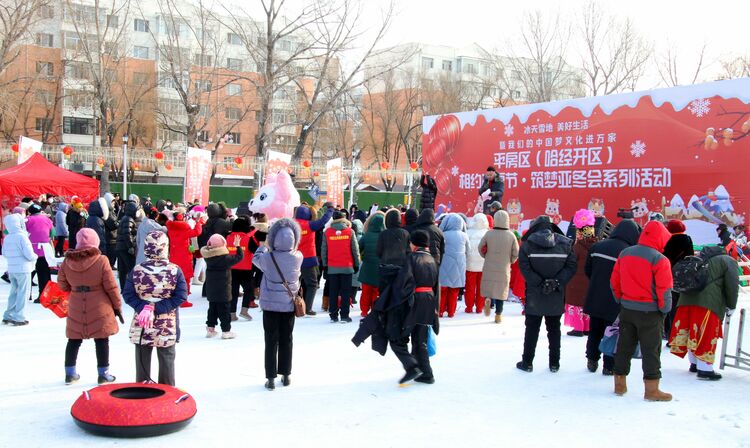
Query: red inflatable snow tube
{"x":133,"y":410}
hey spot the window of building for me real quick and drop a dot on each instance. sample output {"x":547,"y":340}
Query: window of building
{"x":203,"y":85}
{"x":47,"y":12}
{"x":278,"y":116}
{"x":72,"y":41}
{"x":112,"y":21}
{"x":166,"y":134}
{"x":203,"y":136}
{"x":45,"y":68}
{"x":141,"y":79}
{"x":203,"y":111}
{"x":140,"y":52}
{"x":447,"y":65}
{"x":234,"y":89}
{"x":76,"y":98}
{"x":232,"y":113}
{"x":45,"y":40}
{"x":203,"y":59}
{"x":44,"y":97}
{"x":428,"y":63}
{"x":141,"y":25}
{"x":43,"y":124}
{"x":285,"y":45}
{"x":234,"y":64}
{"x":471,"y":68}
{"x":233,"y":138}
{"x":76,"y":125}
{"x":77,"y":70}
{"x":171,"y":107}
{"x":234,"y":39}
{"x":516,"y":94}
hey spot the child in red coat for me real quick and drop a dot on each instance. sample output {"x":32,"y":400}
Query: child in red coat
{"x":179,"y":233}
{"x":242,"y":272}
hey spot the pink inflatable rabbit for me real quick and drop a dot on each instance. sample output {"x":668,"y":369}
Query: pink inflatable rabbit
{"x":278,"y":197}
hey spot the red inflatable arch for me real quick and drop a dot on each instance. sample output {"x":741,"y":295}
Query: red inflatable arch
{"x":133,"y":410}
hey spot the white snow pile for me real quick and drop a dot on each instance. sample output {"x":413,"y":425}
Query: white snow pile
{"x":346,"y":396}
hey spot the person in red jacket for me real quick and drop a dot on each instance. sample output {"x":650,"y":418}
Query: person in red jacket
{"x":340,"y":255}
{"x":642,"y":284}
{"x":309,"y":277}
{"x":242,"y":272}
{"x":179,"y":233}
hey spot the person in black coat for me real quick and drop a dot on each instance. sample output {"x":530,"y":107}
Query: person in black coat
{"x":600,"y":303}
{"x":722,"y":231}
{"x":218,"y":283}
{"x":98,"y":216}
{"x":679,"y":246}
{"x":493,"y":182}
{"x":410,"y":219}
{"x":127,"y":245}
{"x":426,"y":222}
{"x":216,"y":223}
{"x":429,"y":192}
{"x":393,"y":246}
{"x":409,"y":305}
{"x":547,"y":263}
{"x":75,"y":222}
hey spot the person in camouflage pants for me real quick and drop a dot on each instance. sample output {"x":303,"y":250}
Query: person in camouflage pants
{"x":155,"y":289}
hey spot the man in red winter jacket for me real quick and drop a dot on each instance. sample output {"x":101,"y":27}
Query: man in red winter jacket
{"x":642,"y":284}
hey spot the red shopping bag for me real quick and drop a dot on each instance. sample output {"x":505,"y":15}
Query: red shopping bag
{"x":55,"y":299}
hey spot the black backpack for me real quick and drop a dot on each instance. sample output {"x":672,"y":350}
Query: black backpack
{"x":691,"y":274}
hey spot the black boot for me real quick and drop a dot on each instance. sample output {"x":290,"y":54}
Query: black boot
{"x":554,"y":368}
{"x":270,"y":384}
{"x":285,"y":380}
{"x":708,"y":375}
{"x":693,"y":368}
{"x":410,"y":374}
{"x":592,"y":365}
{"x":525,"y":367}
{"x":5,"y":278}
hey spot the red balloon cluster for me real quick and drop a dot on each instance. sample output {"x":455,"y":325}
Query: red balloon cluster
{"x":68,"y":151}
{"x":385,"y":165}
{"x":414,"y":166}
{"x":238,"y":161}
{"x":159,"y":155}
{"x":437,"y":153}
{"x":14,"y":148}
{"x":306,"y":163}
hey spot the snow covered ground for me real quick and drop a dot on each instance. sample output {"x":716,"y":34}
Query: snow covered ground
{"x":342,"y":395}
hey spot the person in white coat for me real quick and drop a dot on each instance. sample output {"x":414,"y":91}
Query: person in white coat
{"x":478,"y":226}
{"x":21,"y":259}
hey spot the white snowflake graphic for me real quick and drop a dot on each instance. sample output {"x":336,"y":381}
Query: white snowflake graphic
{"x":700,"y":107}
{"x":508,"y":130}
{"x":638,"y":148}
{"x":454,"y":170}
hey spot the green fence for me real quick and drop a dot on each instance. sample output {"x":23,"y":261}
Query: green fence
{"x":232,"y":196}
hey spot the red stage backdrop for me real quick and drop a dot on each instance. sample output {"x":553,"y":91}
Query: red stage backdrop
{"x":681,"y":151}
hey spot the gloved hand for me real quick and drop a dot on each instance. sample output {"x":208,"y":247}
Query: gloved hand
{"x":549,"y":286}
{"x":118,"y":313}
{"x":729,"y":312}
{"x":146,"y":316}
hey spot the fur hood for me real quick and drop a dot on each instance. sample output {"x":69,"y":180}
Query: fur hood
{"x":83,"y":259}
{"x":207,"y":252}
{"x":284,"y":235}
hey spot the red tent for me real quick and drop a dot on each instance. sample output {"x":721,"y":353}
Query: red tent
{"x":37,"y":175}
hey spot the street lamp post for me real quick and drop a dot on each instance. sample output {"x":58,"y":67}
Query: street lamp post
{"x":124,"y":166}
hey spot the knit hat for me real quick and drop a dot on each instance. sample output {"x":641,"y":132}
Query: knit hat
{"x":420,"y":238}
{"x":34,"y":209}
{"x":584,"y":218}
{"x":675,"y":226}
{"x":86,"y":239}
{"x":216,"y":240}
{"x":496,"y":205}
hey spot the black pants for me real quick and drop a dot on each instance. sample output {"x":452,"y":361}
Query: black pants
{"x":102,"y":352}
{"x":60,"y":246}
{"x":418,"y":356}
{"x":244,"y":278}
{"x":645,"y":327}
{"x":498,"y":305}
{"x":112,"y":254}
{"x":596,"y":333}
{"x":42,"y":273}
{"x":669,"y":318}
{"x":341,"y":286}
{"x":309,"y":283}
{"x":533,"y":324}
{"x":125,"y":264}
{"x":277,"y":328}
{"x":219,"y":311}
{"x":165,"y":355}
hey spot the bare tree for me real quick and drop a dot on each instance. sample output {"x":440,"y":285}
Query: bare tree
{"x":537,"y":62}
{"x":615,"y":55}
{"x":671,"y":70}
{"x":336,"y":34}
{"x":738,"y":67}
{"x":17,"y":18}
{"x":278,"y":46}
